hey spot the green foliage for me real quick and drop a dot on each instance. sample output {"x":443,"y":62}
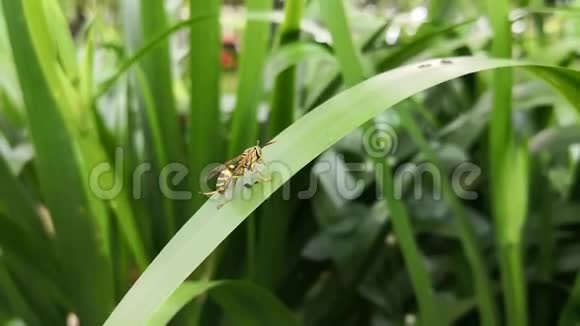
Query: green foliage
{"x":508,"y":163}
{"x":205,"y":137}
{"x":79,"y":219}
{"x":404,"y":189}
{"x":243,"y":303}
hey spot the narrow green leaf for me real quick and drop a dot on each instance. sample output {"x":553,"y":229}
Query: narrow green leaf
{"x":10,"y":113}
{"x":20,"y":222}
{"x":571,"y":312}
{"x":439,"y":9}
{"x":59,"y":30}
{"x":296,"y":146}
{"x":513,"y":179}
{"x":348,"y":55}
{"x":143,"y":51}
{"x":157,"y":68}
{"x":104,"y":146}
{"x":292,"y":54}
{"x":127,"y":223}
{"x":85,"y":258}
{"x":17,"y":203}
{"x":86,"y":76}
{"x":482,"y":283}
{"x":121,"y":203}
{"x":31,"y":280}
{"x":167,"y":220}
{"x":401,"y":54}
{"x":74,"y":108}
{"x":330,"y":86}
{"x":272,"y":233}
{"x":36,"y":254}
{"x":417,"y":44}
{"x":16,"y":300}
{"x":284,"y":93}
{"x":205,"y":139}
{"x":156,"y":86}
{"x":416,"y":265}
{"x":187,"y":292}
{"x":244,"y":122}
{"x":243,"y":302}
{"x":508,"y":197}
{"x":254,"y":47}
{"x":249,"y":305}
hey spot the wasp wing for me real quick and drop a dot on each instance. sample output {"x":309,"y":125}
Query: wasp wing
{"x":214,"y":172}
{"x":234,"y":162}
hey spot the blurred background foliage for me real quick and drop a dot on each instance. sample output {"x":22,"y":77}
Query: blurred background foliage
{"x":196,"y":82}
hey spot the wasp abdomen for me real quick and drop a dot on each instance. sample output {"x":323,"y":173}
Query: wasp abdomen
{"x":223,"y":180}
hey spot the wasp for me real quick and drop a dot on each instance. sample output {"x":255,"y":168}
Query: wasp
{"x":236,"y":168}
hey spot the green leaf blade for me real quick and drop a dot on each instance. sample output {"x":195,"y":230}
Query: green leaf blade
{"x":296,"y":146}
{"x":80,"y":238}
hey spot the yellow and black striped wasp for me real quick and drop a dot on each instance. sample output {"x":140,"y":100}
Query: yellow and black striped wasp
{"x":236,"y":168}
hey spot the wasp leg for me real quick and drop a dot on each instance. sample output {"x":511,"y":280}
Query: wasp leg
{"x":262,"y":177}
{"x":209,"y":193}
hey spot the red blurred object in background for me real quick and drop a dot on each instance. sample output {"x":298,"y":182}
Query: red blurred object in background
{"x":229,"y":54}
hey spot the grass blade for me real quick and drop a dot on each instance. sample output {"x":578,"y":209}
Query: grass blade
{"x":108,"y":150}
{"x":296,"y":146}
{"x":29,"y":281}
{"x":167,"y":220}
{"x":157,"y":68}
{"x":416,"y":266}
{"x":18,"y":204}
{"x":397,"y":57}
{"x":143,"y":51}
{"x":16,"y":300}
{"x":62,"y":38}
{"x":509,"y":180}
{"x":348,"y":55}
{"x":205,"y":126}
{"x":438,"y":10}
{"x":243,"y":302}
{"x":244,"y":123}
{"x":20,"y":222}
{"x":482,"y":283}
{"x":272,"y":232}
{"x":292,"y":54}
{"x":284,"y":93}
{"x":77,"y":216}
{"x":571,"y":312}
{"x":419,"y":43}
{"x":249,"y":94}
{"x":156,"y":86}
{"x":353,"y":72}
{"x":205,"y":141}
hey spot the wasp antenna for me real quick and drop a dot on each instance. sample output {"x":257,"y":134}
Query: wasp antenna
{"x":270,"y":142}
